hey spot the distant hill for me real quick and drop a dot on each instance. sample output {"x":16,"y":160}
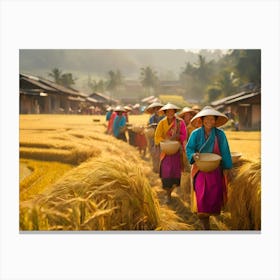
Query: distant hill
{"x":97,"y":63}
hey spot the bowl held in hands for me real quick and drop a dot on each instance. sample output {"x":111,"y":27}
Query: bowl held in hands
{"x":235,"y":156}
{"x":170,"y":147}
{"x":208,"y":162}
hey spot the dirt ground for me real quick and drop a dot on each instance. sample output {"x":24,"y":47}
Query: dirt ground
{"x":181,"y":204}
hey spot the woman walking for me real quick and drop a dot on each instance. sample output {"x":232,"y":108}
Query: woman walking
{"x":187,"y":114}
{"x":209,"y":193}
{"x":155,"y":118}
{"x":170,"y":128}
{"x":119,"y":124}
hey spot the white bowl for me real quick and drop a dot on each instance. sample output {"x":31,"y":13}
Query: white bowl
{"x":235,"y":156}
{"x":170,"y":147}
{"x":208,"y":161}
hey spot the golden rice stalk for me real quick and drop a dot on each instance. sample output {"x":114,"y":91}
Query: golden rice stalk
{"x":103,"y":194}
{"x":73,"y":156}
{"x":169,"y":221}
{"x":244,"y":202}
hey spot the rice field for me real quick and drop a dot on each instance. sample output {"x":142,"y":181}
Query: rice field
{"x":73,"y":176}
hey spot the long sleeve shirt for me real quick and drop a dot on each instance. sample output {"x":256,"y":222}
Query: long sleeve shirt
{"x":163,"y":129}
{"x":198,"y":143}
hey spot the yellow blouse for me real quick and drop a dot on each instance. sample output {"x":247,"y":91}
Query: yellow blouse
{"x":163,"y":127}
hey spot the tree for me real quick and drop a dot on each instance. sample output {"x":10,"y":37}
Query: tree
{"x":98,"y":86}
{"x":55,"y":74}
{"x":149,"y":79}
{"x":213,"y":92}
{"x":65,"y":79}
{"x":115,"y":80}
{"x":196,"y":77}
{"x":248,"y":65}
{"x":227,"y":83}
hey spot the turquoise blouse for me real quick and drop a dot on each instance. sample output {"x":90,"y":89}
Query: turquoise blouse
{"x":198,"y":143}
{"x":119,"y":122}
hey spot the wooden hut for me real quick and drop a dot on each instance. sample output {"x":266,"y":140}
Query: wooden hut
{"x":246,"y":106}
{"x":39,"y":95}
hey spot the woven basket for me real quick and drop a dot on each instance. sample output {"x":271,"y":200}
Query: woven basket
{"x":208,"y":162}
{"x":235,"y":156}
{"x":137,"y":129}
{"x":150,"y":132}
{"x":170,"y":147}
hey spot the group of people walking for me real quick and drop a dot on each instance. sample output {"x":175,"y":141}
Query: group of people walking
{"x":197,"y":131}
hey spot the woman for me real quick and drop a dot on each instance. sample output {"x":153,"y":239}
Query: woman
{"x":109,"y":112}
{"x":209,"y":188}
{"x":187,"y":114}
{"x":170,"y":128}
{"x":155,"y":118}
{"x":111,"y":122}
{"x":119,"y":124}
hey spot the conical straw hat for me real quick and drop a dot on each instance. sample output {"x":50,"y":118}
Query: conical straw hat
{"x":150,"y":108}
{"x":186,"y":110}
{"x":197,"y":108}
{"x":127,"y":108}
{"x":119,"y":109}
{"x":209,"y":111}
{"x":169,"y":106}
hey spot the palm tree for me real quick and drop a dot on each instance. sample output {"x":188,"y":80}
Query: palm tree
{"x":227,"y":83}
{"x":115,"y":80}
{"x":149,"y":79}
{"x":67,"y":80}
{"x":56,"y":75}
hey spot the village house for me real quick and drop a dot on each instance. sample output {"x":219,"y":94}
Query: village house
{"x":171,"y":87}
{"x":103,"y":99}
{"x":39,"y":95}
{"x":245,"y":106}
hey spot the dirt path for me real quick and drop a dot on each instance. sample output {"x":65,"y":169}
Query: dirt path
{"x":180,"y":204}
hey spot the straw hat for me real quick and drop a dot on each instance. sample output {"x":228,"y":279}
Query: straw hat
{"x":127,"y":108}
{"x":119,"y":109}
{"x":186,"y":110}
{"x":150,"y":108}
{"x":169,"y":106}
{"x":209,"y":111}
{"x":196,"y":108}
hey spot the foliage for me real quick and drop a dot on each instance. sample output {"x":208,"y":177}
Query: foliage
{"x":98,"y":86}
{"x":55,"y":74}
{"x":248,"y":65}
{"x":214,"y":93}
{"x":115,"y":80}
{"x":65,"y":79}
{"x":229,"y":73}
{"x":149,"y":79}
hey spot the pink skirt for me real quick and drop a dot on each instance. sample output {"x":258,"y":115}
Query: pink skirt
{"x":209,"y":188}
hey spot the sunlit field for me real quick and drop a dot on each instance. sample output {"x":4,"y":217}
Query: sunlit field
{"x":73,"y":176}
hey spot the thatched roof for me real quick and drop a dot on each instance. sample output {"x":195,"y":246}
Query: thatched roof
{"x":245,"y":95}
{"x":103,"y":98}
{"x":29,"y":84}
